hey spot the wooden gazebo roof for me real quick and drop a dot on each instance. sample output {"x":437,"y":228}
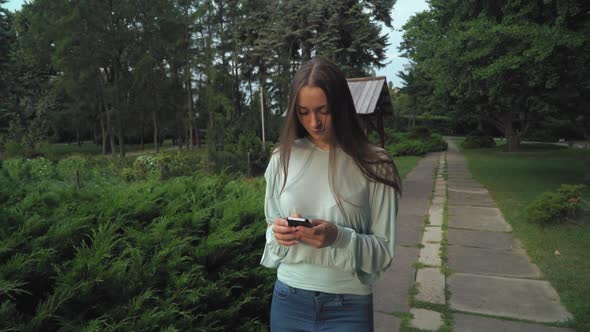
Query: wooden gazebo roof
{"x":370,"y":95}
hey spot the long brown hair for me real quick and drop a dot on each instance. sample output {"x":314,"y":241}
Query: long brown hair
{"x":374,"y":162}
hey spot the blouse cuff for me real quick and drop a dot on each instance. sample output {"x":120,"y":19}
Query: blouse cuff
{"x":344,"y":237}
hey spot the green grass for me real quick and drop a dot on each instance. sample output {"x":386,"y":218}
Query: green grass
{"x":516,"y":179}
{"x":62,"y":150}
{"x":405,"y":164}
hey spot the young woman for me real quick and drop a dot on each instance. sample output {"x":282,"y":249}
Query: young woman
{"x":325,"y":170}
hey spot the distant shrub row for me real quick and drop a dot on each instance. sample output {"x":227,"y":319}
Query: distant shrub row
{"x":162,"y":166}
{"x":417,"y":142}
{"x":478,"y":139}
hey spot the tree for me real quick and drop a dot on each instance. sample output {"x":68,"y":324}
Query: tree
{"x":496,"y":60}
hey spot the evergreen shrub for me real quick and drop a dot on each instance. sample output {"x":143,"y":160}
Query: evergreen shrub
{"x":419,"y":132}
{"x":150,"y":255}
{"x":178,"y":164}
{"x":415,"y":143}
{"x":555,"y":207}
{"x":478,"y":139}
{"x":41,"y":168}
{"x":13,"y":149}
{"x":146,"y":166}
{"x":68,"y":167}
{"x":247,"y":156}
{"x":17,"y":169}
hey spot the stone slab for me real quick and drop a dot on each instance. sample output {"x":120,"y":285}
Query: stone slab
{"x":438,"y":200}
{"x":457,"y":198}
{"x":482,"y":239}
{"x":416,"y":206}
{"x":426,"y":319}
{"x":469,"y":190}
{"x":470,"y":323}
{"x":459,"y":174}
{"x":435,"y":215}
{"x":431,"y":285}
{"x":533,"y":300}
{"x":429,"y":254}
{"x":391,"y":291}
{"x":410,"y":220}
{"x":507,"y":263}
{"x":453,"y":184}
{"x":478,"y":218}
{"x":407,"y":235}
{"x":432,"y":234}
{"x":462,"y":181}
{"x":385,"y":323}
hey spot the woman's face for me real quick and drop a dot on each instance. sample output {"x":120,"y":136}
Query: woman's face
{"x":314,"y":115}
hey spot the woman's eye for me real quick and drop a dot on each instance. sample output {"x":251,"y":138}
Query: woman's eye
{"x":325,"y":112}
{"x":302,"y":112}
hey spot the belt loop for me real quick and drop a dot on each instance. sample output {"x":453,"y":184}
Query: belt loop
{"x":292,"y":290}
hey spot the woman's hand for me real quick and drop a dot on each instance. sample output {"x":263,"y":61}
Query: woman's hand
{"x":285,"y":234}
{"x":322,"y":235}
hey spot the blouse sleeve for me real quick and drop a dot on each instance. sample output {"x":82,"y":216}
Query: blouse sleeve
{"x":273,"y":252}
{"x":370,"y":253}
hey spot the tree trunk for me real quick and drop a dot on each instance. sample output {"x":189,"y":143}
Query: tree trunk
{"x":587,"y":175}
{"x":155,"y":122}
{"x":189,"y":106}
{"x":103,"y":134}
{"x":78,"y":137}
{"x":189,"y":83}
{"x":110,"y":131}
{"x":142,"y":132}
{"x":512,"y":138}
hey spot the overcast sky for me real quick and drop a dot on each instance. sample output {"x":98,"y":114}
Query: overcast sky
{"x":402,"y":11}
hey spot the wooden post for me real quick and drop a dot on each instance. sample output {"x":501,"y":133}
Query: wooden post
{"x":379,"y":113}
{"x":262,"y":116}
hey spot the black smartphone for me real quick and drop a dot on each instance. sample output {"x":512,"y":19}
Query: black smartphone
{"x":299,"y":222}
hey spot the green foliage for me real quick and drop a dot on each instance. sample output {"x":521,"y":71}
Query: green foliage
{"x":407,"y":148}
{"x":440,"y":124}
{"x":478,"y":139}
{"x":555,"y":207}
{"x":415,"y":143}
{"x":16,"y":169}
{"x":178,"y":164}
{"x":468,"y":57}
{"x":179,"y":254}
{"x":419,"y":132}
{"x":71,"y":166}
{"x":13,"y":149}
{"x":248,"y":156}
{"x":41,"y":168}
{"x":146,"y":166}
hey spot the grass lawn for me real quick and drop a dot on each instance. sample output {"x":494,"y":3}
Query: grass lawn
{"x":405,"y":164}
{"x":62,"y":150}
{"x":514,"y":180}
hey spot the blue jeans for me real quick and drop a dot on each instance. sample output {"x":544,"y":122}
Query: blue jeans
{"x":295,"y":309}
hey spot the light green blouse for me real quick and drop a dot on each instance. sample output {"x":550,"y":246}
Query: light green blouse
{"x":365,"y":243}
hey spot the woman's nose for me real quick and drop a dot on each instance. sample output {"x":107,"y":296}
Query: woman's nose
{"x":315,"y":119}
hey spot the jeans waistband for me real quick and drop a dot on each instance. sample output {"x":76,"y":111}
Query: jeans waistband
{"x":312,"y":293}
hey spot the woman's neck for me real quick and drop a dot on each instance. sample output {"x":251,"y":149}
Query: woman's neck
{"x":320,"y":144}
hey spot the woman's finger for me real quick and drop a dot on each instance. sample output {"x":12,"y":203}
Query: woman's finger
{"x":282,"y":229}
{"x":281,"y":222}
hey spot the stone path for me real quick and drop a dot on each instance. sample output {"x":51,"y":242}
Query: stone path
{"x":391,"y":293}
{"x":490,"y":273}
